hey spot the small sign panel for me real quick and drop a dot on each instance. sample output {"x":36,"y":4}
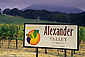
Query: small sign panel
{"x":51,"y":36}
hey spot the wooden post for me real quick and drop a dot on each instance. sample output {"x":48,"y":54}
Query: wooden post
{"x":71,"y":52}
{"x":58,"y":51}
{"x":16,"y":38}
{"x":64,"y":53}
{"x":16,"y":43}
{"x":45,"y":51}
{"x":0,"y":42}
{"x":36,"y":52}
{"x":8,"y":42}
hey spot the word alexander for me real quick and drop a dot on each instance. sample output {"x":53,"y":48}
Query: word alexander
{"x":58,"y":31}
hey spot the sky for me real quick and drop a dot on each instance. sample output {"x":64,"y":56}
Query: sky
{"x":20,"y":4}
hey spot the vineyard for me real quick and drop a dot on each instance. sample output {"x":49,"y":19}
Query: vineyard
{"x":82,"y":34}
{"x":12,"y":35}
{"x":13,"y":31}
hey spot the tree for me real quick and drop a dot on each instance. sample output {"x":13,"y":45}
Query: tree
{"x":15,"y":12}
{"x":6,"y":11}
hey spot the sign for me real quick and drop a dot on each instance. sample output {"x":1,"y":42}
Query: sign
{"x":61,"y":36}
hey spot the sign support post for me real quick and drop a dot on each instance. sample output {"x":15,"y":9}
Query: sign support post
{"x":74,"y":51}
{"x":65,"y":53}
{"x":71,"y":52}
{"x":36,"y":52}
{"x":45,"y":51}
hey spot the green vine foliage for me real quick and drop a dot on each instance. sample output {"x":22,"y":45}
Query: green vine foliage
{"x":12,"y":30}
{"x":82,"y":33}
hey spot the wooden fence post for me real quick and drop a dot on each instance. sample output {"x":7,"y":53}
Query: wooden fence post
{"x":8,"y":42}
{"x":16,"y":43}
{"x":0,"y":42}
{"x":16,"y":38}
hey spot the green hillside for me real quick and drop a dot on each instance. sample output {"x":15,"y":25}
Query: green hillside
{"x":17,"y":20}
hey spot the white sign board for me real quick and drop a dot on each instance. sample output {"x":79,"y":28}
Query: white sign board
{"x":51,"y":36}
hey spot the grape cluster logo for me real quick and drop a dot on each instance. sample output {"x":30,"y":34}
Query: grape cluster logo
{"x":33,"y":37}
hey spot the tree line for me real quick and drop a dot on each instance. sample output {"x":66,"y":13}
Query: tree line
{"x":76,"y":18}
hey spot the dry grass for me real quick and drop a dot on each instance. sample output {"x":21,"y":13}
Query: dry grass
{"x":31,"y":52}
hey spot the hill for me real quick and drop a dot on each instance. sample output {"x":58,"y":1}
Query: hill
{"x":63,"y":9}
{"x":17,"y":20}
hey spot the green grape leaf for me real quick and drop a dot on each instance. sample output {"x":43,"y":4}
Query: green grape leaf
{"x":26,"y":34}
{"x":14,"y":34}
{"x":35,"y":33}
{"x":4,"y":33}
{"x":31,"y":36}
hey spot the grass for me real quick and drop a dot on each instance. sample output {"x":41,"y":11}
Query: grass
{"x":18,"y":20}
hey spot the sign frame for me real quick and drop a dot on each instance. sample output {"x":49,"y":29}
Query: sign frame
{"x":51,"y":47}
